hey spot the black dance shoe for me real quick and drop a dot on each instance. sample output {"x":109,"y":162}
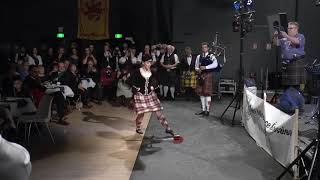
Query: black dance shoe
{"x":139,"y":131}
{"x":206,"y":113}
{"x":170,"y":131}
{"x":200,"y":113}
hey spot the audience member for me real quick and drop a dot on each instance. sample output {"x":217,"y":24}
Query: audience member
{"x":34,"y":58}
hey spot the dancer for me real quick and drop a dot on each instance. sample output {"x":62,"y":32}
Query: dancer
{"x":205,"y":63}
{"x":144,"y":85}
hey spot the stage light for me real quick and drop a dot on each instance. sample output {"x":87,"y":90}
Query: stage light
{"x":118,"y":36}
{"x":237,"y":5}
{"x":249,"y":2}
{"x":317,"y":2}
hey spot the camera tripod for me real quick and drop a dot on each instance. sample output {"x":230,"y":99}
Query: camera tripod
{"x":315,"y":165}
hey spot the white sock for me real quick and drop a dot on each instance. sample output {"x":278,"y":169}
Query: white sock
{"x":161,"y":90}
{"x":172,"y":89}
{"x":208,"y":103}
{"x":165,"y":89}
{"x":203,"y":103}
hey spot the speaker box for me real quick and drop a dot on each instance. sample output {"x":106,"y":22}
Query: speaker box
{"x":277,"y":20}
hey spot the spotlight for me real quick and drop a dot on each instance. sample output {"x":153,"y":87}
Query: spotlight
{"x":249,"y":2}
{"x":237,"y":5}
{"x":317,"y":2}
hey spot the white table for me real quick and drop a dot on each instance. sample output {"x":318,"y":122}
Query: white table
{"x":53,"y":88}
{"x":87,"y":83}
{"x":12,"y":103}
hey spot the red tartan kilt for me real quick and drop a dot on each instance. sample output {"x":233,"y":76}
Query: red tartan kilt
{"x":146,"y":103}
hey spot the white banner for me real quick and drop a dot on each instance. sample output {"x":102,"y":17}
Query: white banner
{"x":271,"y":128}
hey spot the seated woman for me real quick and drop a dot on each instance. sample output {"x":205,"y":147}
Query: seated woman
{"x":90,"y":71}
{"x":124,"y":93}
{"x":42,"y":74}
{"x":18,"y":90}
{"x":72,"y":80}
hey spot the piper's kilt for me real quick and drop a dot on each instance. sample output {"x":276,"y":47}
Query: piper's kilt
{"x":189,"y":79}
{"x":294,"y":74}
{"x":169,"y":78}
{"x":206,"y":88}
{"x":146,"y":103}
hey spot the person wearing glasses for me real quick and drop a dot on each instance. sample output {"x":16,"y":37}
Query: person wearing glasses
{"x":292,"y":53}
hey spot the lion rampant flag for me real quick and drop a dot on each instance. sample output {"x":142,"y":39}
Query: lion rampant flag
{"x":93,"y":19}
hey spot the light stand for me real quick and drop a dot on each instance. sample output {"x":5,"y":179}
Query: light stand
{"x":244,"y":20}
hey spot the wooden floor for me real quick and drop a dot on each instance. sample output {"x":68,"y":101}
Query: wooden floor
{"x":99,"y":144}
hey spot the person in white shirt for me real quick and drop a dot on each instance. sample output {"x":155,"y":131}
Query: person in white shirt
{"x":14,"y":161}
{"x":169,"y":62}
{"x":205,"y":64}
{"x":34,"y":58}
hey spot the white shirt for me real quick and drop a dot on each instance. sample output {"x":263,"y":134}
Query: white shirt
{"x":176,"y":59}
{"x":107,"y":54}
{"x":189,"y":59}
{"x":31,"y":61}
{"x":210,"y":66}
{"x":122,"y":60}
{"x":134,"y":60}
{"x":15,"y":161}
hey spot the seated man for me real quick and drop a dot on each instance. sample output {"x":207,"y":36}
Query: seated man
{"x":57,"y":75}
{"x":33,"y":87}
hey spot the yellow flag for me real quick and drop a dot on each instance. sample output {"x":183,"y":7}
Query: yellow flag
{"x":93,"y":19}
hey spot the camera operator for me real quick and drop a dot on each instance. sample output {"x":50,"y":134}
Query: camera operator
{"x":292,"y":54}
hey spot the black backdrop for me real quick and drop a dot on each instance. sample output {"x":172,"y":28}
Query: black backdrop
{"x":32,"y":21}
{"x":183,"y":22}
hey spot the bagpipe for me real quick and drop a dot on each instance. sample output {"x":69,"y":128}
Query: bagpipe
{"x":218,"y":50}
{"x":314,"y":81}
{"x":313,"y":68}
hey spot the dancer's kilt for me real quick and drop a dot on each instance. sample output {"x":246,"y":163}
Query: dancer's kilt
{"x":146,"y":103}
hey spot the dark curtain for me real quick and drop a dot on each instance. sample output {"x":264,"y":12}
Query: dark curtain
{"x":148,"y":21}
